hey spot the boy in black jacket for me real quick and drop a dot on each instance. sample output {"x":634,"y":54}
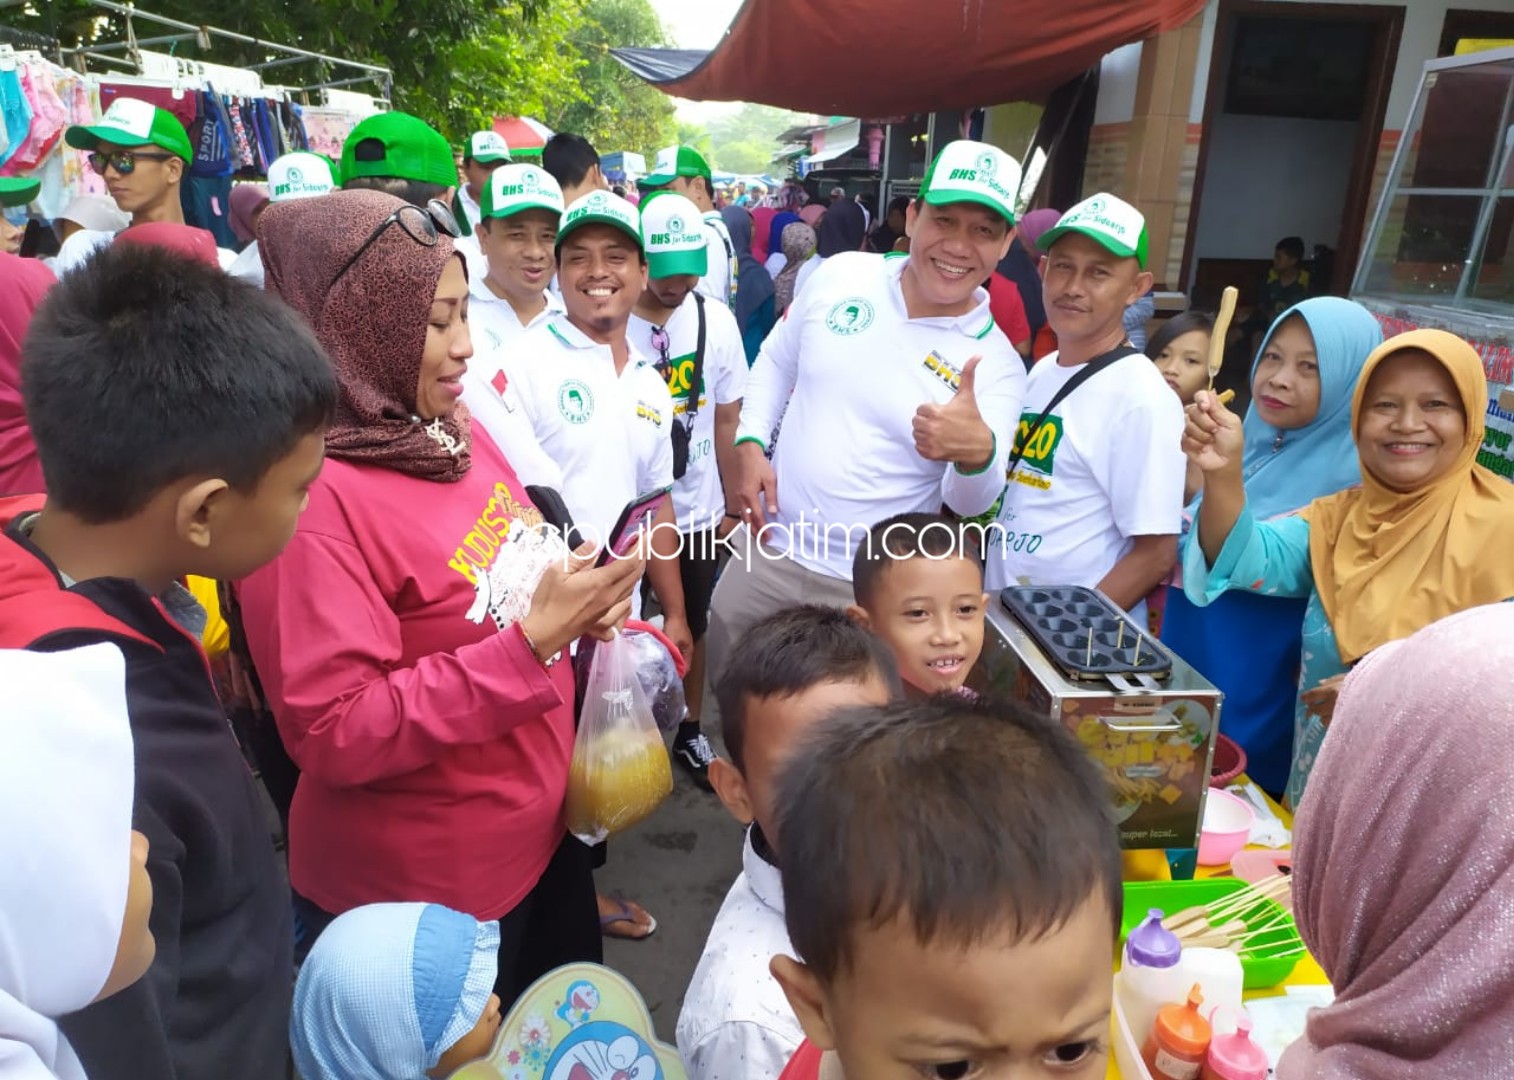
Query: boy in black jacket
{"x":179,"y":418}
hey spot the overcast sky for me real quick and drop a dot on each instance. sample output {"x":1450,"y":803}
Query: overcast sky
{"x":697,"y":24}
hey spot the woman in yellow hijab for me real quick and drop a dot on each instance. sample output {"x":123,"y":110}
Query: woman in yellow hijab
{"x":1429,"y":533}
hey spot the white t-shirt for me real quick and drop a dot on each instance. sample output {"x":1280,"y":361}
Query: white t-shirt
{"x":493,"y":322}
{"x":1106,"y":467}
{"x":78,"y":247}
{"x":736,"y":1023}
{"x":473,"y":256}
{"x":719,"y":281}
{"x":699,"y":497}
{"x":563,"y":417}
{"x":248,"y":265}
{"x":471,"y":209}
{"x":853,"y":368}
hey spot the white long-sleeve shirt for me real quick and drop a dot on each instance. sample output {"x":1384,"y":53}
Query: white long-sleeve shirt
{"x":852,"y":368}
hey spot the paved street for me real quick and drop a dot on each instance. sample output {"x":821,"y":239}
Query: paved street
{"x":678,"y":865}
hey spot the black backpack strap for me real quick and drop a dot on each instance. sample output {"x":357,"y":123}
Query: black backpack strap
{"x":696,"y":380}
{"x":1089,"y":370}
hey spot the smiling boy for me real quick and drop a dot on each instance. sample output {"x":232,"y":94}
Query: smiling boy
{"x":919,"y":587}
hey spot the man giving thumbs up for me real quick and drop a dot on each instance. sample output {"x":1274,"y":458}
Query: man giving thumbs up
{"x":897,"y":391}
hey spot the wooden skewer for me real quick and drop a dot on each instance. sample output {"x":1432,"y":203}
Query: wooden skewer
{"x":1120,"y":644}
{"x":1090,"y":645}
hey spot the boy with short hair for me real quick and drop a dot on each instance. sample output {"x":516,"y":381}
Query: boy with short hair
{"x":795,"y":667}
{"x":919,"y":586}
{"x":179,"y":416}
{"x":952,"y":878}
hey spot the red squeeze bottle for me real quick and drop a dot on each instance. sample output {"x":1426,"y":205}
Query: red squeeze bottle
{"x":1179,"y":1040}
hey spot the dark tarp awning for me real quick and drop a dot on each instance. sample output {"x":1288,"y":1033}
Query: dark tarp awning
{"x":887,"y":57}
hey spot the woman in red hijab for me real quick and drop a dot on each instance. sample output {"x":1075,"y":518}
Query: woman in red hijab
{"x":412,"y":638}
{"x":22,"y":285}
{"x":185,"y":239}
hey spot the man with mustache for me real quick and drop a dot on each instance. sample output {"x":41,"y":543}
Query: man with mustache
{"x":1095,"y":491}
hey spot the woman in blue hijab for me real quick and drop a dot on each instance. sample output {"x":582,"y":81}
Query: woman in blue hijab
{"x":1249,"y":645}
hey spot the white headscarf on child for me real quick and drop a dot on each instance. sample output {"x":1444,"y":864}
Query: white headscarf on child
{"x":388,"y":988}
{"x":66,"y":781}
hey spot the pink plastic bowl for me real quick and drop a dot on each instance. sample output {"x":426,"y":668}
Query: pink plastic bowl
{"x":1227,"y":824}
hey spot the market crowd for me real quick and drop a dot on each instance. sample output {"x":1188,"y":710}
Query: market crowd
{"x":301,"y":561}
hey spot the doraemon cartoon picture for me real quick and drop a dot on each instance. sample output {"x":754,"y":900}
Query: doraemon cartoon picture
{"x":599,"y":1029}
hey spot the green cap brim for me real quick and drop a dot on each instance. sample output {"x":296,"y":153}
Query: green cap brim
{"x":520,"y":208}
{"x":598,"y":219}
{"x":946,"y":198}
{"x":1114,"y":247}
{"x":18,"y":191}
{"x":490,"y":158}
{"x":666,"y":264}
{"x":658,"y":180}
{"x":84,"y":137}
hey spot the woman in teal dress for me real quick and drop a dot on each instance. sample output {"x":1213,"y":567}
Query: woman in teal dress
{"x":1427,"y":534}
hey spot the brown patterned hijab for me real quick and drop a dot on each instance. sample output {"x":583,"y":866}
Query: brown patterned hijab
{"x":372,"y":320}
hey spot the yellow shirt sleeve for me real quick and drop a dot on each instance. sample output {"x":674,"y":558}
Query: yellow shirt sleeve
{"x":217,"y":636}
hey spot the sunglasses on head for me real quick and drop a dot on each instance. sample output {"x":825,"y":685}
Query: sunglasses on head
{"x":423,"y":226}
{"x":123,"y":161}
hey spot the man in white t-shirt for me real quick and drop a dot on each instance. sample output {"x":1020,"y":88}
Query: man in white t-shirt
{"x":666,"y":324}
{"x":1096,"y":498}
{"x":584,"y":411}
{"x":486,"y":151}
{"x":296,"y":175}
{"x":683,"y":170}
{"x":901,"y":396}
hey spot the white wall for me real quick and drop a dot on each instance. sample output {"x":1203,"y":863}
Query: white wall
{"x":1423,"y":21}
{"x":1279,"y":177}
{"x":1119,"y":72}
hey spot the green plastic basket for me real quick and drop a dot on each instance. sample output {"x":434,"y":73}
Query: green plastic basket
{"x":1261,"y":972}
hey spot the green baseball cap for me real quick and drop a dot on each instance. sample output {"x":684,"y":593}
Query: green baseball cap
{"x":1109,"y":221}
{"x":487,"y":147}
{"x":130,"y":122}
{"x":672,"y":230}
{"x":399,"y":145}
{"x":18,"y":190}
{"x":675,"y":161}
{"x":975,"y":172}
{"x":600,"y":208}
{"x":513,"y":188}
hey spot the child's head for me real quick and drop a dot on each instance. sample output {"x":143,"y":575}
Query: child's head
{"x":791,"y":669}
{"x":918,"y":581}
{"x":1180,"y":350}
{"x":396,"y":991}
{"x":75,"y":897}
{"x":1288,"y":254}
{"x":951,"y":876}
{"x":187,"y":404}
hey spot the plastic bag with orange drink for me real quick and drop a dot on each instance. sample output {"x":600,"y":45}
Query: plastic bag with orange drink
{"x":620,"y":770}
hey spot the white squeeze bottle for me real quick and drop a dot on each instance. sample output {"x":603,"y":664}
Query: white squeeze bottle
{"x":1152,"y":974}
{"x":1219,"y":972}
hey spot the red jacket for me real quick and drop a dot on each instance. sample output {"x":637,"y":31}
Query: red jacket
{"x":433,"y":747}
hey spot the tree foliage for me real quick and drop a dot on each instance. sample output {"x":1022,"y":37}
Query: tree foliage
{"x":456,"y":63}
{"x":614,"y":109}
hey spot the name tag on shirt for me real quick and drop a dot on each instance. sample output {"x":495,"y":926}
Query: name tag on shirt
{"x":943,"y":369}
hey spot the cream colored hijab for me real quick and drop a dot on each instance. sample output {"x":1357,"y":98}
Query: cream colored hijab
{"x":1386,"y":563}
